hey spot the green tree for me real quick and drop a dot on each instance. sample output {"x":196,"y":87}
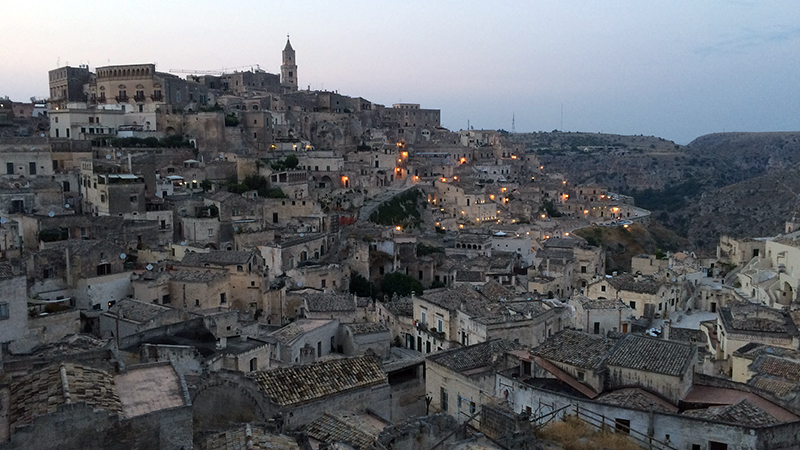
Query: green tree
{"x":291,"y":161}
{"x":401,"y":284}
{"x":360,"y":286}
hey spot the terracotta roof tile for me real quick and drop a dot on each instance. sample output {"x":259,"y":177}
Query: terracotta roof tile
{"x":299,"y":384}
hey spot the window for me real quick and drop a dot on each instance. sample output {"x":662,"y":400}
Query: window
{"x":210,"y":232}
{"x":581,"y":376}
{"x":103,"y":269}
{"x":253,"y":364}
{"x":632,"y":304}
{"x":597,"y":328}
{"x":439,"y":323}
{"x":49,"y":273}
{"x":3,"y":311}
{"x":134,"y":198}
{"x":603,"y":288}
{"x":473,"y":407}
{"x":622,"y":426}
{"x":165,"y":299}
{"x":32,"y":167}
{"x":583,"y":269}
{"x":222,"y":299}
{"x":423,"y":316}
{"x":239,"y":268}
{"x":9,"y":168}
{"x":443,"y":398}
{"x":323,"y":283}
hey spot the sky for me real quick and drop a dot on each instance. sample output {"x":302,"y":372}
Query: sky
{"x":676,"y":69}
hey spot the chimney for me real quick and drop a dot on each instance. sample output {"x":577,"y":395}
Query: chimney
{"x":665,"y":329}
{"x":222,"y":343}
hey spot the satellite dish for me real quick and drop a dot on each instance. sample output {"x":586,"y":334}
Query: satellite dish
{"x":119,"y":153}
{"x":3,"y":220}
{"x":301,"y":234}
{"x":66,"y":205}
{"x":51,"y":214}
{"x":149,"y":267}
{"x":183,"y":242}
{"x":42,"y":135}
{"x":300,"y":284}
{"x":108,"y":156}
{"x":122,"y":255}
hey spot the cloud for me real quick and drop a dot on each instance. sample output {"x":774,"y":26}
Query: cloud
{"x":748,"y":40}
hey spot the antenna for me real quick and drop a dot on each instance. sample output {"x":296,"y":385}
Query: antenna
{"x":561,"y":125}
{"x":513,"y":126}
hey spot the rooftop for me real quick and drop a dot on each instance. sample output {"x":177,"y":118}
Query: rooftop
{"x":296,"y":329}
{"x":299,"y":384}
{"x":149,"y":388}
{"x":636,"y":398}
{"x":469,"y":360}
{"x":629,"y":282}
{"x":344,"y":428}
{"x":217,"y":257}
{"x":43,"y":391}
{"x":367,"y":327}
{"x":240,"y":437}
{"x":652,"y":355}
{"x":329,"y":302}
{"x":137,"y":310}
{"x":575,"y":348}
{"x":742,"y":413}
{"x":591,"y":303}
{"x":756,"y":319}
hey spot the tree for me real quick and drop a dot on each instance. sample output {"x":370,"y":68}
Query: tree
{"x":400,"y":284}
{"x":360,"y":286}
{"x":291,"y":161}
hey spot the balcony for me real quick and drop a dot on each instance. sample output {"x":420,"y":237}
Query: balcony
{"x":139,"y":98}
{"x":157,"y":97}
{"x":101,"y":99}
{"x":122,"y":98}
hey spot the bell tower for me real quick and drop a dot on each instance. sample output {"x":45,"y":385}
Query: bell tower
{"x":288,"y":68}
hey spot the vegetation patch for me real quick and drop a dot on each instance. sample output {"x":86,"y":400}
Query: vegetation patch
{"x":175,"y":141}
{"x":575,"y":434}
{"x":400,"y":284}
{"x":256,"y":183}
{"x":401,"y":210}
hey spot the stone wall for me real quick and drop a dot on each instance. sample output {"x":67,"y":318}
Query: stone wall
{"x":47,"y":329}
{"x":77,"y":426}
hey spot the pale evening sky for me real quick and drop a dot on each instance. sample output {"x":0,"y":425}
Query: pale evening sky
{"x":675,"y":69}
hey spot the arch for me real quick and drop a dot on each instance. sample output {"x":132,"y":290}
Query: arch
{"x":221,"y":403}
{"x":786,"y":294}
{"x":212,"y":246}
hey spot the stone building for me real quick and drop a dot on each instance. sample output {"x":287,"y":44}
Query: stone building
{"x":647,"y":296}
{"x":291,"y":397}
{"x":459,"y":381}
{"x":14,"y":304}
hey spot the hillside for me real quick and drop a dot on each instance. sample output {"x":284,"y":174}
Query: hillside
{"x":622,"y":244}
{"x":721,"y":183}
